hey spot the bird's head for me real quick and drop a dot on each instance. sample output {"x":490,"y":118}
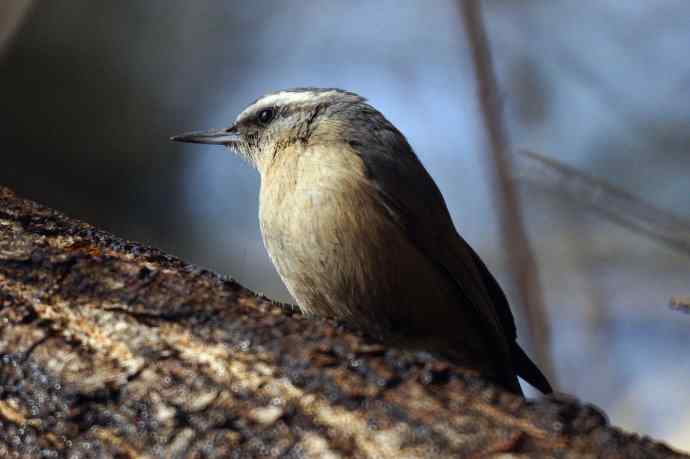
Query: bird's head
{"x":283,"y":118}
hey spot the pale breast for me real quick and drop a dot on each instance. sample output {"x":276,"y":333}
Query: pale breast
{"x":339,"y":252}
{"x":310,"y":206}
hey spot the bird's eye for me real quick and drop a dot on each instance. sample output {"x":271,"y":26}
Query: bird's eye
{"x":266,"y":115}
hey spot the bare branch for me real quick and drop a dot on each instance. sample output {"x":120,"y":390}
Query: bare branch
{"x":514,"y":239}
{"x":681,"y":303}
{"x":614,"y":203}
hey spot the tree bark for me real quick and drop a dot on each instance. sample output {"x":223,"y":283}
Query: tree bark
{"x":112,"y":349}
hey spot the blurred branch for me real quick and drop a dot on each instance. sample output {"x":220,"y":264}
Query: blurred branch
{"x":598,"y":326}
{"x":514,"y":237}
{"x":113,"y":349}
{"x":12,"y":13}
{"x":681,"y":303}
{"x":616,"y":204}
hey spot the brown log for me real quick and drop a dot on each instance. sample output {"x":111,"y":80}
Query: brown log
{"x":112,"y":349}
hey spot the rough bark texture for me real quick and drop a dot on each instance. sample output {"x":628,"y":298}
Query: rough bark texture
{"x":112,"y":349}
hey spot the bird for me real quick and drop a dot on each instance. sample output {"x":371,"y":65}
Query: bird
{"x":359,"y":232}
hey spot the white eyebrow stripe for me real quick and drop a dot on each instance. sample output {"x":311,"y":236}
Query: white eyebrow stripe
{"x":286,"y":98}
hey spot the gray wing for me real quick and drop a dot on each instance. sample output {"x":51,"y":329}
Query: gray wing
{"x":415,"y":203}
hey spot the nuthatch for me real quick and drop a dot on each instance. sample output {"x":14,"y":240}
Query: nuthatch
{"x":359,"y":231}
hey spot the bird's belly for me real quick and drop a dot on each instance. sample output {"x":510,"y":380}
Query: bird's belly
{"x":341,"y":256}
{"x":321,"y":256}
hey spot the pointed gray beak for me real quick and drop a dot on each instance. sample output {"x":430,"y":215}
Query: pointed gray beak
{"x":228,"y":136}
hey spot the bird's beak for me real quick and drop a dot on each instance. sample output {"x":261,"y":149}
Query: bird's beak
{"x":227,"y":136}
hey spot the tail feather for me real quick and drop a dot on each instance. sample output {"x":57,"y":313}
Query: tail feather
{"x":529,"y":371}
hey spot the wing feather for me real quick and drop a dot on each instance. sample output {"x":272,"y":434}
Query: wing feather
{"x":413,"y":201}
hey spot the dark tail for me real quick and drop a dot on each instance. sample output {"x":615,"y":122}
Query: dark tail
{"x":529,"y":371}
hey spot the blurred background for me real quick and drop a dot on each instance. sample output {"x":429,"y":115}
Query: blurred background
{"x":90,"y":93}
